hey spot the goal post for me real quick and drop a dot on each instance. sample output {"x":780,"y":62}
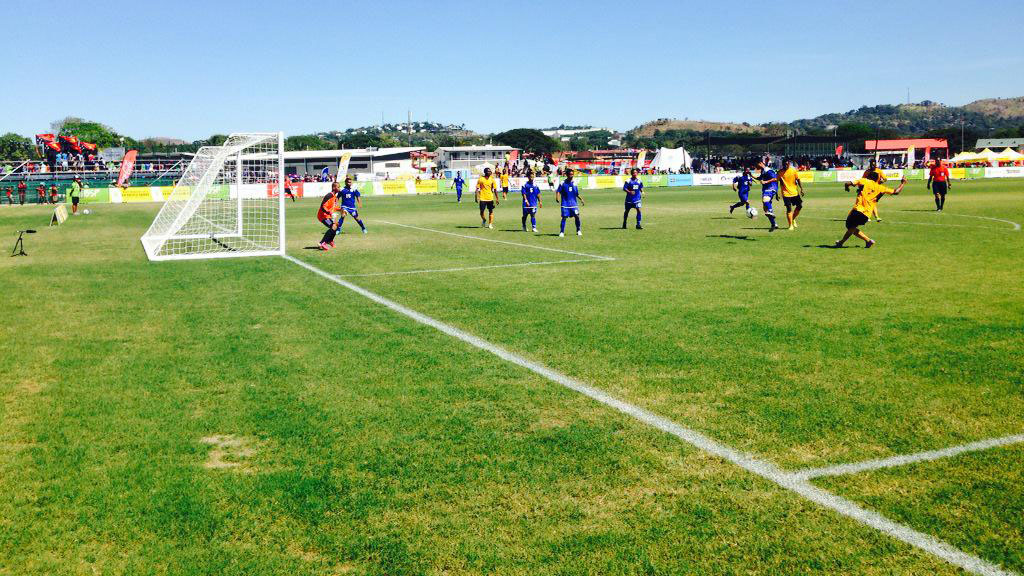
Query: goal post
{"x":229,"y":202}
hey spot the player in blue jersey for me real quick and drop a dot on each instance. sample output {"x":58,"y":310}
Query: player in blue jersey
{"x":531,"y":201}
{"x":742,"y":185}
{"x":458,"y":183}
{"x":351,"y":202}
{"x":634,"y":190}
{"x":769,"y":191}
{"x":568,"y":194}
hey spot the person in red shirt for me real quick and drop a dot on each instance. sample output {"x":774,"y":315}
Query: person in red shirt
{"x":328,"y":206}
{"x":10,"y":195}
{"x":41,"y":192}
{"x":54,"y":193}
{"x":22,"y":188}
{"x":939,"y":183}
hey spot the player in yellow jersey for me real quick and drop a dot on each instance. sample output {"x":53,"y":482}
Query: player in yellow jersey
{"x":792,"y":192}
{"x":487,"y":197}
{"x":504,"y":183}
{"x":875,"y":173}
{"x":868,"y":193}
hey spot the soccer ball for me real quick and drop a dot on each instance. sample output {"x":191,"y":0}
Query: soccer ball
{"x":86,"y":211}
{"x":751,"y":212}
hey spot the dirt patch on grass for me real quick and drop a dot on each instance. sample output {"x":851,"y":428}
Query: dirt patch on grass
{"x":228,"y":451}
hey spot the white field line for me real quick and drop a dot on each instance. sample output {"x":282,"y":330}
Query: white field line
{"x":866,"y":465}
{"x":747,"y":462}
{"x":594,"y":256}
{"x":431,"y":271}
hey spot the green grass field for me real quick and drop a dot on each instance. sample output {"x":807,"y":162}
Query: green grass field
{"x":247,"y":416}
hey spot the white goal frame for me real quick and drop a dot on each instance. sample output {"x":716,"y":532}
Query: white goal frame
{"x":224,"y":206}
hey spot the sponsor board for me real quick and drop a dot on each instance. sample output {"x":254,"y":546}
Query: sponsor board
{"x":914,"y":174}
{"x":89,"y":195}
{"x":391,"y":187}
{"x":679,"y":180}
{"x":958,"y":173}
{"x":976,"y":172}
{"x":654,"y":181}
{"x":806,"y":176}
{"x":426,"y":186}
{"x":138,"y":194}
{"x":606,"y":182}
{"x":723,"y":179}
{"x":824,"y":176}
{"x":1005,"y":172}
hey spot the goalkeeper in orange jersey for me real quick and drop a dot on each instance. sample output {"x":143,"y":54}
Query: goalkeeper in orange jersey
{"x":325,"y":215}
{"x":868,"y":193}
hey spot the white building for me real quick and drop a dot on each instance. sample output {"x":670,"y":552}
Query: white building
{"x":466,"y":157}
{"x":380,"y":163}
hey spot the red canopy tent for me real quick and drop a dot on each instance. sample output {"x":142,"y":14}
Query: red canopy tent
{"x":903,"y":145}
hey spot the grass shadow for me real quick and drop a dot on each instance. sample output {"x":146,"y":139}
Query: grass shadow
{"x":731,"y":237}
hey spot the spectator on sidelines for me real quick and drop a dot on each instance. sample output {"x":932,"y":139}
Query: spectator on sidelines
{"x":76,"y":192}
{"x":22,"y":189}
{"x":54,"y":193}
{"x":41,"y":193}
{"x":10,"y":195}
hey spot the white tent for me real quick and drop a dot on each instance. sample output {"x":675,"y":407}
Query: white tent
{"x":987,"y":155}
{"x":1010,"y":155}
{"x":671,"y":159}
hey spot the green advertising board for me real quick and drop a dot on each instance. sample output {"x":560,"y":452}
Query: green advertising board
{"x":654,"y":181}
{"x":825,"y":176}
{"x":914,"y":174}
{"x":89,"y":195}
{"x":976,"y":172}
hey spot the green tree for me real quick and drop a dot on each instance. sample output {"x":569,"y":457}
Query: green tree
{"x":100,"y":134}
{"x":527,"y":139}
{"x":16,"y":147}
{"x":307,"y":142}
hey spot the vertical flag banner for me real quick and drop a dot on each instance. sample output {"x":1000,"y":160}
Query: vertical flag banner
{"x":640,"y":159}
{"x":127,"y":166}
{"x":910,"y":157}
{"x":839,"y":150}
{"x":325,"y":174}
{"x":343,"y":166}
{"x":513,"y":156}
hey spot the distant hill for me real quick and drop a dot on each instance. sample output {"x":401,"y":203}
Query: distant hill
{"x":671,"y":124}
{"x":908,"y":119}
{"x":988,"y":114}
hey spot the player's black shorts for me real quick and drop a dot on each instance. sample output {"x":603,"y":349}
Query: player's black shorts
{"x":489,"y":205}
{"x":856,"y":219}
{"x":74,"y":200}
{"x":504,"y":189}
{"x":792,"y":201}
{"x":939,"y":188}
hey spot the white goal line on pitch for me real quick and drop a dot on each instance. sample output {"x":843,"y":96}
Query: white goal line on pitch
{"x":905,"y":459}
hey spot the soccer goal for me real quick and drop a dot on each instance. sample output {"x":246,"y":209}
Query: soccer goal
{"x":228,"y":203}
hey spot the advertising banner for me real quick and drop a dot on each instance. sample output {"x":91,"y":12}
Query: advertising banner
{"x":679,"y":180}
{"x":848,"y":175}
{"x":127,"y":166}
{"x":654,"y":181}
{"x":723,"y":179}
{"x":89,"y":195}
{"x":914,"y":174}
{"x":958,"y":173}
{"x":976,"y":172}
{"x":806,"y":176}
{"x":891,"y":174}
{"x":137,"y":194}
{"x":606,"y":182}
{"x":391,"y":187}
{"x":1007,"y":172}
{"x":426,"y":186}
{"x":824,"y":176}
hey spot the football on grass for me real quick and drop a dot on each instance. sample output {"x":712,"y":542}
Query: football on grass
{"x":751,"y":212}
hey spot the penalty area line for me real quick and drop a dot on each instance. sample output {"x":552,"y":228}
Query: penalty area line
{"x":464,"y":268}
{"x":496,"y":241}
{"x":905,"y":459}
{"x":761,"y":468}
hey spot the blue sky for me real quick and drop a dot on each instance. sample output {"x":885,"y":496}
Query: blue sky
{"x":190,"y":69}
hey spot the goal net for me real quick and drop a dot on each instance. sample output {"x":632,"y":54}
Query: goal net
{"x":227,"y":203}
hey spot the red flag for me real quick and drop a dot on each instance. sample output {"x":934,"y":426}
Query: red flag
{"x":839,"y":150}
{"x":127,"y":165}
